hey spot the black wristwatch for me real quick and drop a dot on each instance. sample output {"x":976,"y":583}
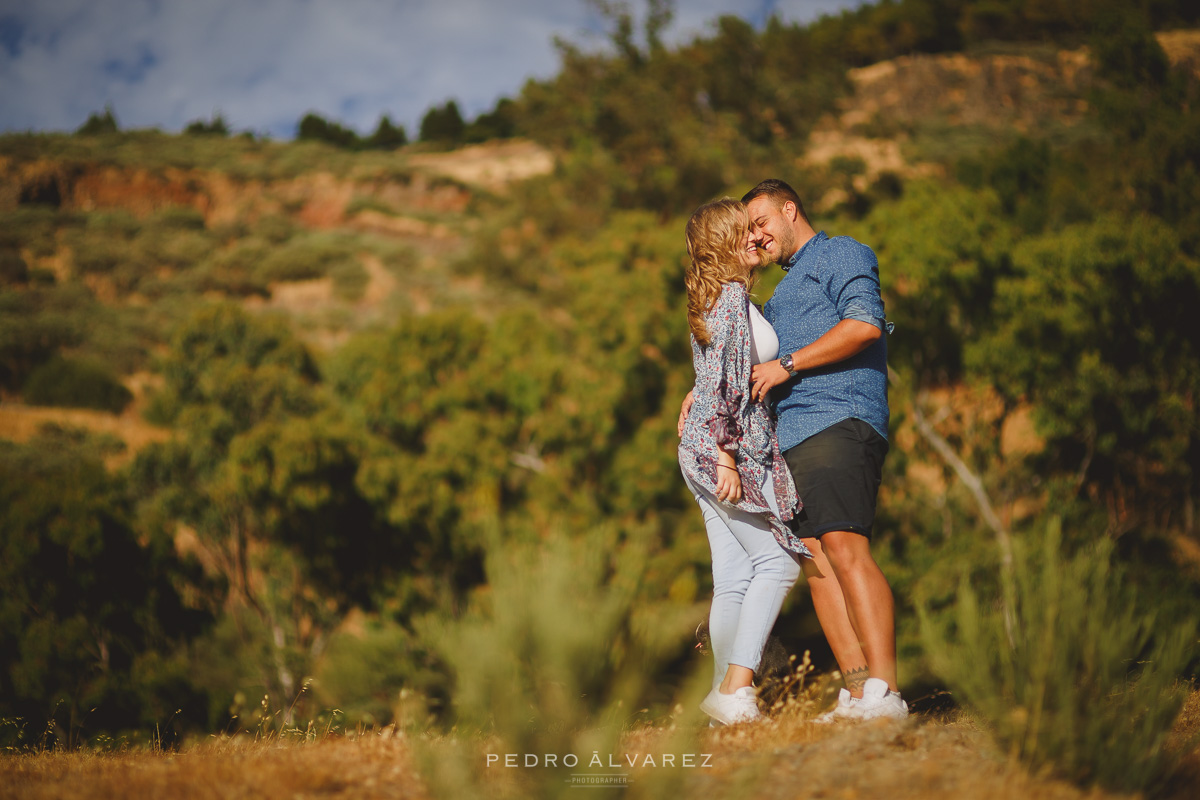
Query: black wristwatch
{"x":786,"y":363}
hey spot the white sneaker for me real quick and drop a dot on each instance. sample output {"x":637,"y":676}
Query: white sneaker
{"x":878,"y":702}
{"x":846,"y":709}
{"x":731,"y":709}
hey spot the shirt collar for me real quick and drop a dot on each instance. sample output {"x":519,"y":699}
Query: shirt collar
{"x":818,"y":236}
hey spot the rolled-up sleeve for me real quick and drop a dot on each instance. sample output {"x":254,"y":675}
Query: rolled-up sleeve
{"x":852,"y":281}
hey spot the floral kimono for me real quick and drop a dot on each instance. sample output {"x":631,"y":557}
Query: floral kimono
{"x":723,"y":416}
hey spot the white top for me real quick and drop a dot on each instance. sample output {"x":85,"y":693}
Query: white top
{"x":764,"y":344}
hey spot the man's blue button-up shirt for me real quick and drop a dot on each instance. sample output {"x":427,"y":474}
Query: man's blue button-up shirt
{"x":827,"y":281}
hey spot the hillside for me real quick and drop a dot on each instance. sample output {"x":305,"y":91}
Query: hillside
{"x":399,"y":222}
{"x":908,"y":115}
{"x":410,"y":215}
{"x":417,"y":203}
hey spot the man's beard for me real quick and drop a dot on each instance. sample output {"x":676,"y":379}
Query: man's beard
{"x":787,"y":248}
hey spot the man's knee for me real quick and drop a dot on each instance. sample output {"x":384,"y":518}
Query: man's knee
{"x":848,"y":552}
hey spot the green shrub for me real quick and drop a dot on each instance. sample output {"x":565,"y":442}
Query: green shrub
{"x":180,"y":217}
{"x":274,"y":228}
{"x":36,"y":322}
{"x":34,"y":228}
{"x":76,"y":383}
{"x":1068,"y":664}
{"x":174,"y":247}
{"x":212,"y":276}
{"x":13,"y":268}
{"x":307,"y":257}
{"x":97,"y":257}
{"x":105,"y":246}
{"x":555,"y":658}
{"x":369,"y":673}
{"x":117,"y":224}
{"x":349,"y":280}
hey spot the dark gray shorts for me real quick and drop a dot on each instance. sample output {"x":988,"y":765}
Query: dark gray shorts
{"x":837,"y":474}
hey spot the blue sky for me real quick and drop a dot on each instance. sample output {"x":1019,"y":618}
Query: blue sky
{"x":265,"y":63}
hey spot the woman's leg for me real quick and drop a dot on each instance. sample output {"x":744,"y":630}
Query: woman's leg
{"x":752,"y":575}
{"x":775,"y":572}
{"x":732,"y":573}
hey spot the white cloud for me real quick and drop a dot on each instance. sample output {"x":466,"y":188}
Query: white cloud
{"x":263,"y":64}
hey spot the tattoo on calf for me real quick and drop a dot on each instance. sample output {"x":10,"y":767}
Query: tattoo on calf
{"x":855,"y":678}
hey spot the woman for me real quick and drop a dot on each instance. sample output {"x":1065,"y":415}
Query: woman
{"x":730,"y":457}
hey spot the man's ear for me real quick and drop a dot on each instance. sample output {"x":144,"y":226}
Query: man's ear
{"x":790,"y":211}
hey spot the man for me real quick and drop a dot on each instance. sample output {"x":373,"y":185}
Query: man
{"x":833,"y":426}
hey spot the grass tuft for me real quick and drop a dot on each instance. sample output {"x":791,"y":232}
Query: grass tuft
{"x":1070,"y":667}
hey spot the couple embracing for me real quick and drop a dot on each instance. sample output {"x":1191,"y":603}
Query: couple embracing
{"x":796,"y":495}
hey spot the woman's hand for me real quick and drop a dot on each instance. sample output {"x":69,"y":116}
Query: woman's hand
{"x":683,"y":411}
{"x":729,"y":482}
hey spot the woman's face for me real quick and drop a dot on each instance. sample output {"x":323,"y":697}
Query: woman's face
{"x":749,"y":255}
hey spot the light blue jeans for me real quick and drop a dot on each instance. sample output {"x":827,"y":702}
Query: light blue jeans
{"x":752,"y":575}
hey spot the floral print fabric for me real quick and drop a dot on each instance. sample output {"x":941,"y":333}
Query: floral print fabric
{"x":724,"y":416}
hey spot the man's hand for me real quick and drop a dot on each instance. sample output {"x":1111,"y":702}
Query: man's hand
{"x":684,"y":408}
{"x":766,"y":376}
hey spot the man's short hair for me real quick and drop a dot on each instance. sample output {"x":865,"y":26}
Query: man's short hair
{"x":779,"y":193}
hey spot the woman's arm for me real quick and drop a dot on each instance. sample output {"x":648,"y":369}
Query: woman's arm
{"x":733,"y":387}
{"x":722,"y":391}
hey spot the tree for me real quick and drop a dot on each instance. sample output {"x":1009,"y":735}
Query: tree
{"x":76,"y":383}
{"x":35,"y":324}
{"x":217,"y":126}
{"x":265,"y":473}
{"x":89,"y":614}
{"x":387,"y":136}
{"x":443,"y":124}
{"x":98,"y":124}
{"x":1094,"y":326}
{"x":314,"y":127}
{"x":499,"y":123}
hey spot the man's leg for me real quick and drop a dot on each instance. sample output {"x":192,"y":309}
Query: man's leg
{"x":837,"y":473}
{"x":867,"y":600}
{"x":830,"y":605}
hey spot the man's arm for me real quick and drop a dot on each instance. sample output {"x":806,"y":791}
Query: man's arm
{"x":846,"y":339}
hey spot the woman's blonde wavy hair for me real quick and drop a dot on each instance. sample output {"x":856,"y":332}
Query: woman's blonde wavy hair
{"x":715,"y":234}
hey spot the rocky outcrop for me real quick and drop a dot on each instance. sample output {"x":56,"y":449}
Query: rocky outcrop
{"x":423,"y":185}
{"x":1026,"y":89}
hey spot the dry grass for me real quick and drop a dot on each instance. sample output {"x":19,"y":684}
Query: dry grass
{"x":942,"y":756}
{"x":20,"y":423}
{"x":921,"y":758}
{"x":365,"y":768}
